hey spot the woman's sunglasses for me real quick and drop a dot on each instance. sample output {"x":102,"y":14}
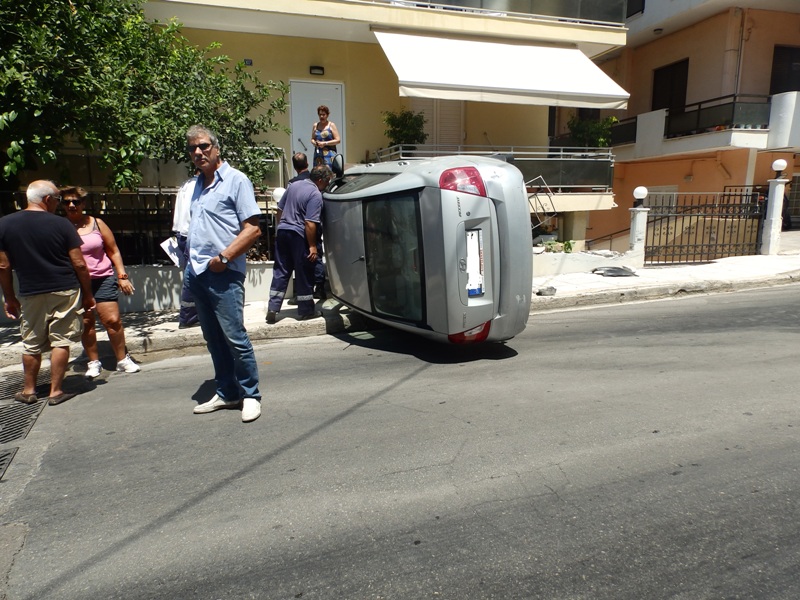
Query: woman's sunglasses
{"x":67,"y":201}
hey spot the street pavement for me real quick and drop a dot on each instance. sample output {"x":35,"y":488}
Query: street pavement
{"x":158,"y":331}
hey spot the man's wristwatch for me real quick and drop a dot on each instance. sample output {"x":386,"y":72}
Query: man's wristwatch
{"x":223,"y":259}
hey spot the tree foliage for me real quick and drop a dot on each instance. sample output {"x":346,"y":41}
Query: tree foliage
{"x":405,"y":127}
{"x":96,"y":72}
{"x":591,"y":133}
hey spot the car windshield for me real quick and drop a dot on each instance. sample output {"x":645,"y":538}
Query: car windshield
{"x":392,"y":252}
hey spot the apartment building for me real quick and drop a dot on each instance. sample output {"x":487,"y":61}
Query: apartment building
{"x":714,"y":99}
{"x":486,"y":73}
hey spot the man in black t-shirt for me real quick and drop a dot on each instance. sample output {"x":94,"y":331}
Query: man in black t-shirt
{"x":45,"y":252}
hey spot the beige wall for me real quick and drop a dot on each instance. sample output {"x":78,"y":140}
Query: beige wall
{"x":505,"y":124}
{"x":763,"y":30}
{"x":370,"y":84}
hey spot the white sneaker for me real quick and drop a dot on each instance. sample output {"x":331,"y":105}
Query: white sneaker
{"x":93,"y":369}
{"x":251,"y":409}
{"x":216,"y":403}
{"x":126,"y":365}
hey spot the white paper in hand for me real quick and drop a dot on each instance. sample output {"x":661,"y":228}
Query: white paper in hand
{"x":170,"y":246}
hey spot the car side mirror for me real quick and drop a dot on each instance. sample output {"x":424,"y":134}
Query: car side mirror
{"x":337,"y":165}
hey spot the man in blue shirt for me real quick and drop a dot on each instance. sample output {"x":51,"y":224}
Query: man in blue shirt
{"x":299,"y":213}
{"x":224,"y":225}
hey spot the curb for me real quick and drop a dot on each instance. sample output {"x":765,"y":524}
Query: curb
{"x":144,"y":341}
{"x":656,"y":292}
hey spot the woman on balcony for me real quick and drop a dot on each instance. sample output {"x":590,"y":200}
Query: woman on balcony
{"x":103,"y":258}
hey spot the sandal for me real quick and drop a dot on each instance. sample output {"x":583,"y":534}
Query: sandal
{"x":26,"y":398}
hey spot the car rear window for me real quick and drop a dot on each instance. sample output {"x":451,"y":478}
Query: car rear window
{"x":361,"y":181}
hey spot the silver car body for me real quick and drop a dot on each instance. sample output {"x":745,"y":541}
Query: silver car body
{"x":428,"y":247}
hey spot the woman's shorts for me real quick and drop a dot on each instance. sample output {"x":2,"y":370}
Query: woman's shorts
{"x":105,"y":289}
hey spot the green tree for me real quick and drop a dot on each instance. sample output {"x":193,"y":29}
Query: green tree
{"x":96,"y":72}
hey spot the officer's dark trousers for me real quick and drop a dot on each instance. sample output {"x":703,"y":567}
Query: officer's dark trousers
{"x":291,"y":256}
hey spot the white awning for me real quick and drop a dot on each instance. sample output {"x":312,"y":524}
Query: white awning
{"x":455,"y":69}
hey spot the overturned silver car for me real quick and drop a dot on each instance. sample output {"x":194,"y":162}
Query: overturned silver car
{"x":440,"y":247}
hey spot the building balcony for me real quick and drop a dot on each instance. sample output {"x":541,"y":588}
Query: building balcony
{"x":593,"y":27}
{"x":588,"y":11}
{"x":759,"y":122}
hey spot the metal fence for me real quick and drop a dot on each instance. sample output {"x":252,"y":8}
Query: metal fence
{"x":696,"y":228}
{"x":142,"y":220}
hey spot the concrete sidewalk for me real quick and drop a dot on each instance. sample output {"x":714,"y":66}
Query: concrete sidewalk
{"x":157,"y":332}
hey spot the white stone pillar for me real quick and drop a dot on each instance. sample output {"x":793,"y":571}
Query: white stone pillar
{"x":638,"y":233}
{"x":771,"y":225}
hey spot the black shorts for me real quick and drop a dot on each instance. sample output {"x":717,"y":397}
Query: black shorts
{"x":105,"y":289}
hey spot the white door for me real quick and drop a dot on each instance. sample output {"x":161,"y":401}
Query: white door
{"x":304,"y":98}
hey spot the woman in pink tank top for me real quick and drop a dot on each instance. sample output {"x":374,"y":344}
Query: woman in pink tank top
{"x":108,"y":275}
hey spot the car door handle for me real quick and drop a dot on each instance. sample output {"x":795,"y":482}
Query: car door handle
{"x":358,"y":259}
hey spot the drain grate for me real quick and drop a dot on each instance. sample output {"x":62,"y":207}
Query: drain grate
{"x":16,"y":420}
{"x":12,"y":382}
{"x":5,"y":459}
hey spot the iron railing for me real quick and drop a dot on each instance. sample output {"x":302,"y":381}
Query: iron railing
{"x":567,"y":169}
{"x":624,"y":131}
{"x":609,"y":13}
{"x":142,"y":220}
{"x":716,"y":114}
{"x":697,"y":228}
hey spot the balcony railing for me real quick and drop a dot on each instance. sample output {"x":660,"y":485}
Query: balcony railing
{"x":605,"y":12}
{"x":564,"y":170}
{"x":624,"y":132}
{"x":717,"y":114}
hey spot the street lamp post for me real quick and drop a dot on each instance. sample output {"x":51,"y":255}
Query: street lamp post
{"x":638,"y":233}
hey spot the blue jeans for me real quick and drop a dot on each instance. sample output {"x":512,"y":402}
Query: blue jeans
{"x":219,"y":298}
{"x":188,"y":313}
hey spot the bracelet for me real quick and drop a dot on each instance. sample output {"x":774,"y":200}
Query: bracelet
{"x":123,"y":276}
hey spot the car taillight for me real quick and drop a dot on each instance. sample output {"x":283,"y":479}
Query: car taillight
{"x":471,"y":336}
{"x":463,"y":179}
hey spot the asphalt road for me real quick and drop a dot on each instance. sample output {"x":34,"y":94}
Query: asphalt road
{"x":640,"y":451}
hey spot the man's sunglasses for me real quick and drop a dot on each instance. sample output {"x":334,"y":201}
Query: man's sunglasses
{"x":203,"y":147}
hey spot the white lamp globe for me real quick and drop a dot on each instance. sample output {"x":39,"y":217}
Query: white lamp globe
{"x":278,"y":193}
{"x":779,"y":165}
{"x":640,"y":193}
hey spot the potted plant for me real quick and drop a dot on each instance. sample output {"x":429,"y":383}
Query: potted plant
{"x":591,"y":133}
{"x":405,"y":127}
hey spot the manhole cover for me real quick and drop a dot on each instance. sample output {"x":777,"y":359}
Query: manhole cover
{"x":16,"y":420}
{"x":5,"y":459}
